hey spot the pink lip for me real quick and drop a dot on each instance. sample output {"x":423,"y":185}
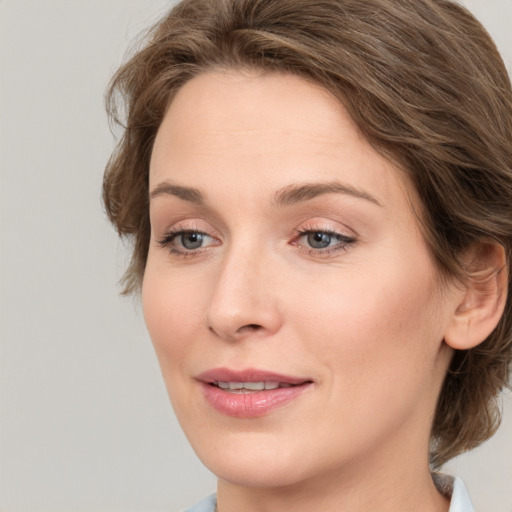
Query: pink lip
{"x":255,"y":403}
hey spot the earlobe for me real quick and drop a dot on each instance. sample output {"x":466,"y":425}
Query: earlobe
{"x":483,"y":299}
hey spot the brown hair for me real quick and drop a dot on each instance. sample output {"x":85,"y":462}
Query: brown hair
{"x":424,"y":82}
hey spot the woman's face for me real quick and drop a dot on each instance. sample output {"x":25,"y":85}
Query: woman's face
{"x":291,"y":299}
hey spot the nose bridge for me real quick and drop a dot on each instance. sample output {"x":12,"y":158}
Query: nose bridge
{"x":243,"y":300}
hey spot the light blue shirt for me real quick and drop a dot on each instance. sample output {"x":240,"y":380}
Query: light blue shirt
{"x":447,"y":485}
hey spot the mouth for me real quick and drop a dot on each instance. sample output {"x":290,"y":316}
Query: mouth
{"x":250,"y":393}
{"x":251,"y":387}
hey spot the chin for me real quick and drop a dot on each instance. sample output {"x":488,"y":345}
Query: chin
{"x":256,"y":462}
{"x":244,"y":473}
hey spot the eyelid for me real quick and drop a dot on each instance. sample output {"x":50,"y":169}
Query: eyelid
{"x":326,"y":226}
{"x":172,"y":233}
{"x":188,"y":225}
{"x":345,"y":240}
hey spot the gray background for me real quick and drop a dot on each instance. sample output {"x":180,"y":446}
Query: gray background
{"x":85,"y":423}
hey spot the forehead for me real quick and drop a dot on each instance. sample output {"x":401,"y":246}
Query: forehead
{"x":241,"y":128}
{"x":253,"y":92}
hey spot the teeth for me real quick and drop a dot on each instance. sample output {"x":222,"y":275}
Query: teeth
{"x":254,"y":386}
{"x":251,"y":386}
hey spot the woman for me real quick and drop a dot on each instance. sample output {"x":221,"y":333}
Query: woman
{"x":319,"y":195}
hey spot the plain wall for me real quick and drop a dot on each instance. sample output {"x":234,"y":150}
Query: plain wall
{"x":85,"y":423}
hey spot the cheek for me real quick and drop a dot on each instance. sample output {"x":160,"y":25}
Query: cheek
{"x":375,"y":338}
{"x":173,"y":312}
{"x":381,"y":323}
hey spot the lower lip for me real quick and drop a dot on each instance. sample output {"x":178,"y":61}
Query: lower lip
{"x":253,"y":404}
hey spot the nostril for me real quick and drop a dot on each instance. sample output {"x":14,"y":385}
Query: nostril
{"x":249,"y":327}
{"x":241,"y":330}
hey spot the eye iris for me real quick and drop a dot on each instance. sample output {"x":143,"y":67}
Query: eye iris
{"x":319,"y":240}
{"x":192,"y":240}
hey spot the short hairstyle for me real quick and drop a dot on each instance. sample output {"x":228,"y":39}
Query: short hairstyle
{"x":425,"y":84}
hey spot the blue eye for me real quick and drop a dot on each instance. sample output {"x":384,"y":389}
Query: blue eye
{"x":319,"y":239}
{"x":191,"y":240}
{"x":321,"y":242}
{"x":186,"y":242}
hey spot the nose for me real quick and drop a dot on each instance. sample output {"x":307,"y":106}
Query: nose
{"x":244,"y":301}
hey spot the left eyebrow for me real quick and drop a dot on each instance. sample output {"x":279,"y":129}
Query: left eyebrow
{"x":293,"y":194}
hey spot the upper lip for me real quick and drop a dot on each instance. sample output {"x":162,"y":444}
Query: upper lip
{"x":248,"y":375}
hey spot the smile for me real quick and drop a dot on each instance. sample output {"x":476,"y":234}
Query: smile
{"x":250,"y":393}
{"x":248,"y":387}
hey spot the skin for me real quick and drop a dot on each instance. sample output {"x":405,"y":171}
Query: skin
{"x":363,"y":319}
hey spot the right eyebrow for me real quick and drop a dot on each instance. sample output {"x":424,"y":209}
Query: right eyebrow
{"x":190,"y":194}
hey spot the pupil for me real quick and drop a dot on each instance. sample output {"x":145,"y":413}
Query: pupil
{"x":319,"y":240}
{"x":192,"y":240}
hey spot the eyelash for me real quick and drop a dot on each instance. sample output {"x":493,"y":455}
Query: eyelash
{"x":167,"y":240}
{"x":344,"y":241}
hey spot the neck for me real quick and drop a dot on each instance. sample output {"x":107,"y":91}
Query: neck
{"x":388,"y":487}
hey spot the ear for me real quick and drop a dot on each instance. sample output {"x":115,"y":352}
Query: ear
{"x":483,"y":298}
